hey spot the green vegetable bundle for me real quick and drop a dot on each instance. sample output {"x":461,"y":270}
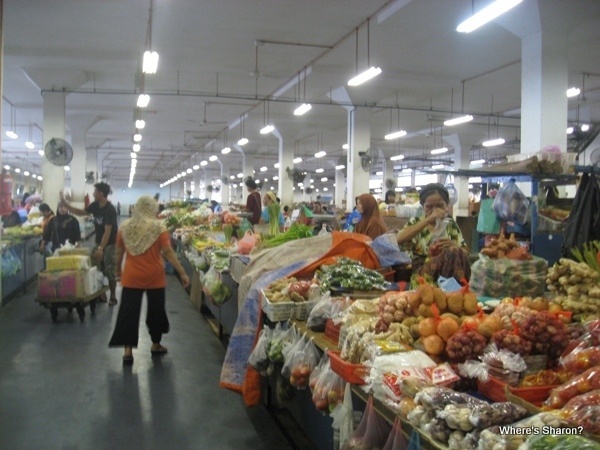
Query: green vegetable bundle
{"x":273,"y":210}
{"x":349,"y":274}
{"x":296,"y":231}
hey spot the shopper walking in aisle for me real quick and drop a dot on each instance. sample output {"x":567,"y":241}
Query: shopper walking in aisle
{"x":105,"y":224}
{"x":143,"y":238}
{"x":60,"y":229}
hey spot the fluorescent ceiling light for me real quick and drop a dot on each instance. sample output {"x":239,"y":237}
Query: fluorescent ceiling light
{"x":225,"y":150}
{"x":263,"y":169}
{"x":213,"y":158}
{"x":275,"y":178}
{"x":67,"y":168}
{"x":150,"y":62}
{"x":320,"y":154}
{"x":26,"y":173}
{"x":584,"y":127}
{"x":340,"y":167}
{"x":379,"y":173}
{"x":189,"y":171}
{"x":493,"y":142}
{"x":266,"y":181}
{"x":7,"y":167}
{"x":139,"y":124}
{"x":345,"y":146}
{"x":267,"y":129}
{"x":324,"y":179}
{"x":396,"y":157}
{"x":11,"y":134}
{"x":297,"y":160}
{"x":302,"y":109}
{"x":240,"y":175}
{"x":136,"y":147}
{"x":478,"y":161}
{"x":243,"y":141}
{"x":30,"y":145}
{"x":439,"y":151}
{"x":320,"y":170}
{"x":437,"y":166}
{"x":232,"y":177}
{"x":458,"y":120}
{"x":573,"y":92}
{"x":40,"y":177}
{"x":133,"y":155}
{"x":178,"y":175}
{"x":137,"y":137}
{"x":203,"y":163}
{"x":407,"y":170}
{"x":487,"y":14}
{"x":395,"y":135}
{"x":17,"y":170}
{"x":143,"y":100}
{"x":325,"y":189}
{"x":365,"y":76}
{"x":41,"y":152}
{"x":276,"y":165}
{"x":196,"y":167}
{"x":570,"y":130}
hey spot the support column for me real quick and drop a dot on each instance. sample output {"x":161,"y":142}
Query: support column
{"x":359,"y":140}
{"x":462,"y":160}
{"x":54,"y":127}
{"x":79,"y":127}
{"x":284,"y":184}
{"x":340,"y":189}
{"x":544,"y":83}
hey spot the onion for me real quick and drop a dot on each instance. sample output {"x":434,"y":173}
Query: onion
{"x":446,"y":328}
{"x":427,"y":327}
{"x":434,"y":345}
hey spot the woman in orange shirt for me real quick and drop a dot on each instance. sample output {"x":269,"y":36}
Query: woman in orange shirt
{"x":145,"y":241}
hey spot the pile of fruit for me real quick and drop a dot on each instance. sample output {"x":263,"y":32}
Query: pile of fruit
{"x":501,"y":247}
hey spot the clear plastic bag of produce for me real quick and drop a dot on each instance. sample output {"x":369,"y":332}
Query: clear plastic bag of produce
{"x":247,"y":243}
{"x":438,"y":429}
{"x":457,"y":417}
{"x":511,"y":204}
{"x":373,"y":434}
{"x":387,"y":251}
{"x":325,"y":308}
{"x":463,"y":441}
{"x":280,"y":337}
{"x":303,"y":358}
{"x":583,"y":410}
{"x":504,"y":413}
{"x":580,"y":384}
{"x":214,"y":288}
{"x":314,"y":375}
{"x":343,"y":416}
{"x":559,"y":442}
{"x":329,"y":390}
{"x":436,"y":398}
{"x":258,"y":358}
{"x":583,"y":353}
{"x":396,"y":440}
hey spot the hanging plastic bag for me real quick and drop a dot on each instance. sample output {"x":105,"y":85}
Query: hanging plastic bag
{"x":487,"y":220}
{"x":396,"y":439}
{"x":343,"y":417}
{"x":583,"y":223}
{"x":247,"y":243}
{"x":316,"y":373}
{"x":214,"y":288}
{"x":258,"y":358}
{"x":302,"y":360}
{"x":372,"y":431}
{"x":329,"y":390}
{"x":510,"y":203}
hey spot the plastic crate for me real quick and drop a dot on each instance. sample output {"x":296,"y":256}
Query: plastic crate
{"x":332,"y":331}
{"x":352,"y":373}
{"x":494,"y":389}
{"x":535,"y":395}
{"x":547,"y":224}
{"x":277,"y":312}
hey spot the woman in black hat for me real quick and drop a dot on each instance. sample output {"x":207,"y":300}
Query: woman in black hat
{"x":434,"y":241}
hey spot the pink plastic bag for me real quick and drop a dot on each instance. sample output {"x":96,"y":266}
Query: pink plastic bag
{"x":371,"y":433}
{"x":396,"y":439}
{"x":247,"y":243}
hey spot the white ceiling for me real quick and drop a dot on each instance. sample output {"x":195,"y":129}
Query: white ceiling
{"x":92,"y":49}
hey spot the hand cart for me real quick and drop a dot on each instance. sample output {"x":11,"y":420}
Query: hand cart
{"x":78,"y":303}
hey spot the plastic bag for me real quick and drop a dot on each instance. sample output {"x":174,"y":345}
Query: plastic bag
{"x":584,"y":410}
{"x":214,"y":288}
{"x":510,"y":203}
{"x":583,"y":223}
{"x":560,"y":442}
{"x":329,"y":390}
{"x":276,"y":344}
{"x":258,"y":358}
{"x":314,"y":375}
{"x":396,"y":439}
{"x":372,"y":431}
{"x":302,"y":361}
{"x":582,"y":383}
{"x":247,"y":243}
{"x":487,"y":220}
{"x":388,"y":252}
{"x":504,"y":413}
{"x":11,"y":264}
{"x":343,"y":417}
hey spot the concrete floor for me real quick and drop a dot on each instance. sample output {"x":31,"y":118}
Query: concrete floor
{"x":61,"y":387}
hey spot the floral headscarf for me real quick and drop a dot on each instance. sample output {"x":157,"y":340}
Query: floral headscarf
{"x":143,"y":229}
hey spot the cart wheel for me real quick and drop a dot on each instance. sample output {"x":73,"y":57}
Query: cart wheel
{"x":93,"y":306}
{"x":54,"y":314}
{"x":81,"y":312}
{"x":69,"y":309}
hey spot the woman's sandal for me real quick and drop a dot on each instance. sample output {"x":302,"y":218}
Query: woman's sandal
{"x":160,"y":350}
{"x":127,"y":360}
{"x":113,"y":301}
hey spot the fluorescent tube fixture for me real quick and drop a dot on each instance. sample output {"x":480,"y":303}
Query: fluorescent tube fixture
{"x":320,"y":154}
{"x":570,"y":130}
{"x":30,"y":145}
{"x":493,"y":142}
{"x":150,"y":62}
{"x":276,"y":165}
{"x":196,"y":167}
{"x":584,"y":127}
{"x":275,"y":178}
{"x":324,"y":179}
{"x":137,"y":137}
{"x":573,"y":92}
{"x":243,"y":141}
{"x":203,"y":163}
{"x":407,"y":170}
{"x":67,"y":168}
{"x":302,"y":109}
{"x":458,"y":120}
{"x":439,"y":151}
{"x":139,"y":124}
{"x":143,"y":100}
{"x":213,"y":158}
{"x":225,"y":150}
{"x":340,"y":167}
{"x":364,"y":76}
{"x":136,"y":147}
{"x":240,"y":175}
{"x":396,"y":157}
{"x":395,"y":135}
{"x":41,"y":152}
{"x":379,"y":173}
{"x":189,"y":171}
{"x":26,"y":173}
{"x":487,"y":14}
{"x":297,"y":160}
{"x":320,"y":170}
{"x":133,"y":155}
{"x":263,"y":169}
{"x":478,"y":161}
{"x":11,"y":134}
{"x":267,"y":129}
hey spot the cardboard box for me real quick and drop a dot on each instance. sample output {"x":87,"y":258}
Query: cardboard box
{"x":63,"y":284}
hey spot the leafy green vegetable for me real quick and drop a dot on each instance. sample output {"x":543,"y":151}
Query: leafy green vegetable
{"x":296,"y":231}
{"x":273,"y":210}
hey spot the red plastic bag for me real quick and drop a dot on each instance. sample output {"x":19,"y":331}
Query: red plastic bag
{"x":247,"y":243}
{"x":372,"y":432}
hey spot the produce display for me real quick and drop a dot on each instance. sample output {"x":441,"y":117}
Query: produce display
{"x":501,"y":247}
{"x":287,"y":290}
{"x":296,"y":231}
{"x":349,"y":274}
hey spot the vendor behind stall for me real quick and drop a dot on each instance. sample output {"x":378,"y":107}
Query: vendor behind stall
{"x":435,"y":242}
{"x":371,"y":223}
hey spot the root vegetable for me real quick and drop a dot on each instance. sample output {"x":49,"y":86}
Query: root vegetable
{"x":434,"y":345}
{"x":489,"y":325}
{"x":446,"y":328}
{"x":427,"y":327}
{"x":465,"y":344}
